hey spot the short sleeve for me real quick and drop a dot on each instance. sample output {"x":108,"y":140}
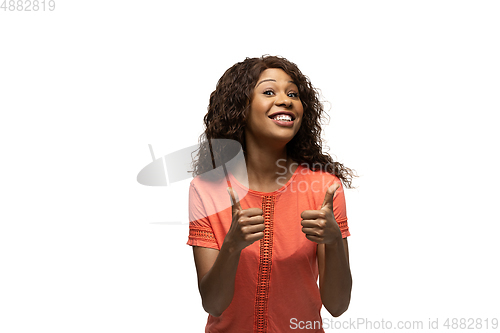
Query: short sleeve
{"x":200,"y":228}
{"x":339,"y":211}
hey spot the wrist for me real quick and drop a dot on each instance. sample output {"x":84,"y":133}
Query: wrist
{"x":335,"y":244}
{"x":230,"y":248}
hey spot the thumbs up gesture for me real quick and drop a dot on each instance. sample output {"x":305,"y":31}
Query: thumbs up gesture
{"x":320,"y":225}
{"x":247,"y":225}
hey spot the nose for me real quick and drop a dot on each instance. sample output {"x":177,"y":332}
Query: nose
{"x":283,"y":100}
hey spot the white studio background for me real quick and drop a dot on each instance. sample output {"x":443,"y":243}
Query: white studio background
{"x":413,"y":90}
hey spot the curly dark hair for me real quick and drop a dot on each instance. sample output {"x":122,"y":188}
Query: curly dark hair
{"x":228,"y":111}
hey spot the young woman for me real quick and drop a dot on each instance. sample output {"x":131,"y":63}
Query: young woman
{"x":258,"y":260}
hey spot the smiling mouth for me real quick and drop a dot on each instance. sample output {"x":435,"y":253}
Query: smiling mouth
{"x":282,"y":117}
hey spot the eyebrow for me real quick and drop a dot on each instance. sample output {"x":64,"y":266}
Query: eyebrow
{"x":271,"y":80}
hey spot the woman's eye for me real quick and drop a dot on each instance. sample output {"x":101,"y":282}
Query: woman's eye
{"x":290,"y":94}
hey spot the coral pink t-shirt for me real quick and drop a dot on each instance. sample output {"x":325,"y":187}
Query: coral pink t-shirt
{"x":276,"y":280}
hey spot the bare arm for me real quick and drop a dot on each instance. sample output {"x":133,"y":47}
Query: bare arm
{"x":335,"y":281}
{"x":217,"y":269}
{"x":216,"y":272}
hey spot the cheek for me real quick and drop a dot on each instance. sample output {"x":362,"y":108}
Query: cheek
{"x":301,"y":108}
{"x":301,"y":119}
{"x":299,"y":124}
{"x":301,"y":113}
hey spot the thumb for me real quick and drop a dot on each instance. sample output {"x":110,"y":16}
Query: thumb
{"x":330,"y":192}
{"x":235,"y":201}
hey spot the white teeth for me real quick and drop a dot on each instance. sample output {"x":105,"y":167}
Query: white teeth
{"x":283,"y":117}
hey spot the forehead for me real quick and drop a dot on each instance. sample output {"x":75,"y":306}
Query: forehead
{"x":276,"y":74}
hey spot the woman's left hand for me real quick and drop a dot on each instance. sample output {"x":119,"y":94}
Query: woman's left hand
{"x":320,"y":225}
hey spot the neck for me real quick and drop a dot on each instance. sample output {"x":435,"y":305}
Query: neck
{"x":266,"y":167}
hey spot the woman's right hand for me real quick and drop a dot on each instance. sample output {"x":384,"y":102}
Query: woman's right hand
{"x":247,"y":225}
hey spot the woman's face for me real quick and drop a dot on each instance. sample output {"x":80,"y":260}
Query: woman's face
{"x":275,"y":110}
